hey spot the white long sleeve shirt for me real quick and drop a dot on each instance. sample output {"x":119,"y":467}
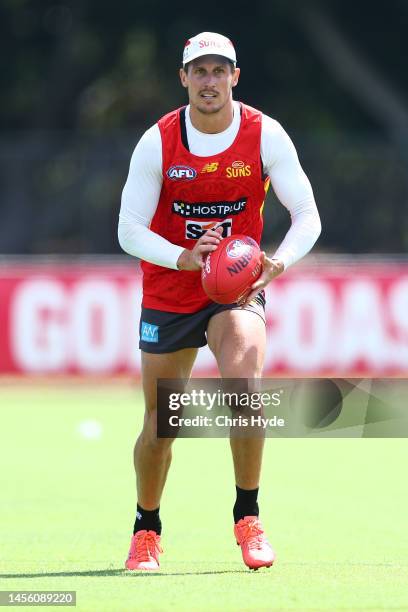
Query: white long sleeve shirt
{"x":141,"y":192}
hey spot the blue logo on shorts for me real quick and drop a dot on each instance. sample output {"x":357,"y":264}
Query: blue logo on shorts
{"x":150,"y":333}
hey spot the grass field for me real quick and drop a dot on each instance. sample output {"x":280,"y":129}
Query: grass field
{"x":335,"y":511}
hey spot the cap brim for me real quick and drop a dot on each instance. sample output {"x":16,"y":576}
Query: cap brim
{"x":199,"y":54}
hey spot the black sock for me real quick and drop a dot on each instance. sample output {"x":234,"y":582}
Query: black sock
{"x":147,"y":519}
{"x":246,"y":504}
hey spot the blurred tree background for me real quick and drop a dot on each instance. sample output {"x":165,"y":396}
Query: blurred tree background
{"x":81,"y":81}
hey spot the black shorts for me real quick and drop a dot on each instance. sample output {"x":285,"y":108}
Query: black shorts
{"x":166,"y":332}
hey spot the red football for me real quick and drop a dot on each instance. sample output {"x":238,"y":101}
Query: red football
{"x":230,"y":270}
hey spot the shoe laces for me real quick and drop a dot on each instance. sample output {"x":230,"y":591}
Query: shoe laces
{"x":147,"y":546}
{"x":252,"y":534}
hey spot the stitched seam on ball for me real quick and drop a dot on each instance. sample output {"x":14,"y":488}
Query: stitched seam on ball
{"x":216,"y":270}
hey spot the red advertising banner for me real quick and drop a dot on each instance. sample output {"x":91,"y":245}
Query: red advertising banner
{"x":322,"y":320}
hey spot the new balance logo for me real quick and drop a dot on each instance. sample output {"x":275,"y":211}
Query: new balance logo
{"x":211,"y":167}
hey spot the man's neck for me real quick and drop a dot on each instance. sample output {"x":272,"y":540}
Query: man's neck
{"x":212,"y":123}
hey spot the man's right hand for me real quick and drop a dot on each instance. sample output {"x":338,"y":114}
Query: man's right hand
{"x":194,"y":259}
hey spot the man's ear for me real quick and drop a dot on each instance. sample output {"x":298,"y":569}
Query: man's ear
{"x":183,"y":77}
{"x":235,"y":78}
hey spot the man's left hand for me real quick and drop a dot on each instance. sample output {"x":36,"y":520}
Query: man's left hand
{"x":271,"y":268}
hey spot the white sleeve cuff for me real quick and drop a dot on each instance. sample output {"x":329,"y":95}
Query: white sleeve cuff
{"x":139,"y":241}
{"x":300,"y":238}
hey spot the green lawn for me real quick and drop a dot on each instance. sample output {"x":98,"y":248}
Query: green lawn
{"x":335,"y":511}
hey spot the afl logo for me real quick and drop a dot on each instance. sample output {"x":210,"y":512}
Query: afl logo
{"x":181,"y":173}
{"x":238,"y":164}
{"x":237,"y":248}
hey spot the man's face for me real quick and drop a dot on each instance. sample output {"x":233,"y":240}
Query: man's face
{"x":209,"y":81}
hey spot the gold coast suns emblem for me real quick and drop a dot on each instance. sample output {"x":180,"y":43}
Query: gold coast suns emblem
{"x":238,"y":169}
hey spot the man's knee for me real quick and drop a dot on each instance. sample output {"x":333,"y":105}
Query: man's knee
{"x":148,"y":435}
{"x":245,"y":364}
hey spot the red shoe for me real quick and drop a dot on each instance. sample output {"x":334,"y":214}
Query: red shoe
{"x":144,"y":551}
{"x":256,"y":550}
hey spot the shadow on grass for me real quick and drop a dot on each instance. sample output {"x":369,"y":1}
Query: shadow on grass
{"x":117,"y":572}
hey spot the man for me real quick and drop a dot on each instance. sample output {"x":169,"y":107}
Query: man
{"x":208,"y":163}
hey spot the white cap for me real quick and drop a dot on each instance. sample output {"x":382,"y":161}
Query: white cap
{"x":208,"y":43}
